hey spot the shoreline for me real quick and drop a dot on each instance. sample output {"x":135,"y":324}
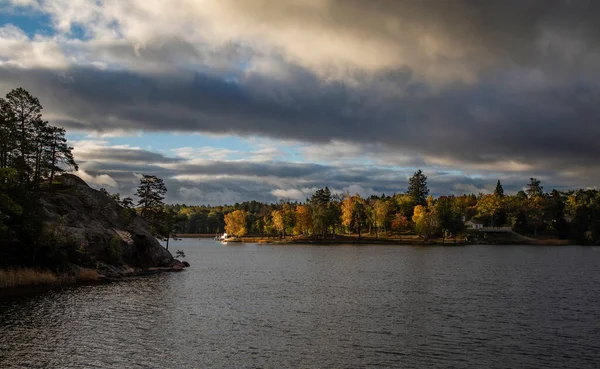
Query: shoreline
{"x":349,"y":240}
{"x":92,"y":278}
{"x":408,"y":240}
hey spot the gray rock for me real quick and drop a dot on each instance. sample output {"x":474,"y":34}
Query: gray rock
{"x":97,"y":225}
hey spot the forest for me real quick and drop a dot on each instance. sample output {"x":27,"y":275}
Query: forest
{"x":572,"y":215}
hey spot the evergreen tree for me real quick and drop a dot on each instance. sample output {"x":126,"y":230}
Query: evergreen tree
{"x":151,"y":192}
{"x":417,"y":188}
{"x":25,"y":111}
{"x":57,"y":152}
{"x":7,"y":135}
{"x":534,"y":189}
{"x":320,"y":209}
{"x":499,"y":191}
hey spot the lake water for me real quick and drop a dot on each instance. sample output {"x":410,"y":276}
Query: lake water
{"x":263,"y":306}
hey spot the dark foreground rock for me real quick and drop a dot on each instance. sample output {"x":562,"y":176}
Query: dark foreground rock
{"x":102,"y":234}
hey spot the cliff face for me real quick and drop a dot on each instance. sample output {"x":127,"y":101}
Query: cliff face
{"x":99,"y":229}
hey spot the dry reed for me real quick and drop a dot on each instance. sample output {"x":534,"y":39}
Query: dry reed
{"x":86,"y":275}
{"x":21,"y":277}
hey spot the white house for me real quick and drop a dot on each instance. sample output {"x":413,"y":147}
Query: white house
{"x":473,"y":224}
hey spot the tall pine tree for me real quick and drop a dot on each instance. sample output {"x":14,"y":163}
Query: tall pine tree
{"x":417,"y":188}
{"x":151,"y":192}
{"x":57,"y":152}
{"x":499,"y":191}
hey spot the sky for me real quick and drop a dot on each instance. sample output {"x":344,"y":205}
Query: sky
{"x":231,"y":101}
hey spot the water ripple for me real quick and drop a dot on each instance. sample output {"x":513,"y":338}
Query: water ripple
{"x":327,"y":307}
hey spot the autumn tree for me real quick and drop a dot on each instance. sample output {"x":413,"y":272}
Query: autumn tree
{"x":380,"y":214}
{"x":399,"y":223}
{"x":488,"y":207}
{"x":278,"y":222}
{"x":417,"y":188}
{"x":425,"y":222}
{"x":235,"y":223}
{"x":347,"y":208}
{"x":303,"y":219}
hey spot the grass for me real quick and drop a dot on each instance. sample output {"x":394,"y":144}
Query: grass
{"x":21,"y":277}
{"x":87,"y":275}
{"x":29,"y":277}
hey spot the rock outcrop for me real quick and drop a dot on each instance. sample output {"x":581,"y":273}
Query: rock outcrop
{"x":99,"y":229}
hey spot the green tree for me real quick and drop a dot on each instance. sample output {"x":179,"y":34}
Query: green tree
{"x":57,"y":152}
{"x":417,"y":188}
{"x":169,"y":220}
{"x":7,"y":135}
{"x":320,"y":209}
{"x":151,"y":193}
{"x":25,"y":112}
{"x":534,"y":189}
{"x":359,"y":214}
{"x":448,"y":218}
{"x":8,"y":207}
{"x":499,"y":191}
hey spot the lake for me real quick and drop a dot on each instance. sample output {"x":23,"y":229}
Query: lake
{"x":274,"y":306}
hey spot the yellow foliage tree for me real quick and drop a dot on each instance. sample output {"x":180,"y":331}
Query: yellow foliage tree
{"x":235,"y":223}
{"x":425,"y":222}
{"x":381,"y":210}
{"x":347,"y":212}
{"x":303,"y":219}
{"x":489,"y":205}
{"x":278,"y":221}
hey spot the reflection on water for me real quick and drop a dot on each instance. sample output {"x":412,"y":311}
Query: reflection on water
{"x":323,"y":306}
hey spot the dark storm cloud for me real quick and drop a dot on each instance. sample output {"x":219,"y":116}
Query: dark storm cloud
{"x":499,"y":87}
{"x":465,"y":123}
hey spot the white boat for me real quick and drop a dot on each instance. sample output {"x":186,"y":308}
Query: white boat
{"x":222,"y":237}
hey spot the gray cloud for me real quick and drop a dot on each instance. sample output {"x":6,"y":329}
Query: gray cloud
{"x":220,"y":182}
{"x":499,"y":88}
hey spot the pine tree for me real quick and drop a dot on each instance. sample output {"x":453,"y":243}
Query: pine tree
{"x":320,"y":209}
{"x":57,"y":151}
{"x":534,"y":189}
{"x":25,"y":111}
{"x":151,"y":192}
{"x":7,"y":135}
{"x":417,"y":188}
{"x":499,"y":191}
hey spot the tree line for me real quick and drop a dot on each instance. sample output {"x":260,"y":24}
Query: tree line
{"x":572,"y":215}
